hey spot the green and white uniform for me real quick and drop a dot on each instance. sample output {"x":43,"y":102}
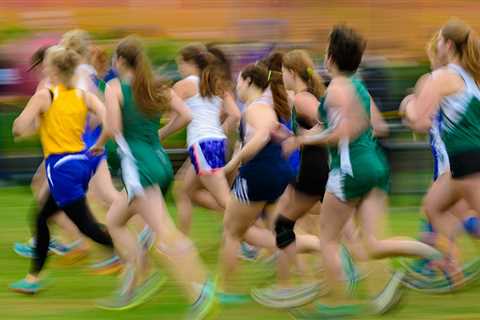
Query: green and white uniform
{"x":144,"y":162}
{"x":358,"y":166}
{"x":460,"y":129}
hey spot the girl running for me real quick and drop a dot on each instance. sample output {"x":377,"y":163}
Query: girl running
{"x":264,"y":173}
{"x":206,"y":90}
{"x":135,"y":103}
{"x":452,"y":91}
{"x":63,"y":116}
{"x":358,"y":177}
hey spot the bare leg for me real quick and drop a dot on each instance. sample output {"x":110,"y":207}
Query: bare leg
{"x":239,"y":217}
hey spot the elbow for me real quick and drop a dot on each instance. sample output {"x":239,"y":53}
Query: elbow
{"x":17,"y":132}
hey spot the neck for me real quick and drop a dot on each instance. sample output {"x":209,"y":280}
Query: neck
{"x":253,"y":96}
{"x":127,"y":76}
{"x":300,"y":86}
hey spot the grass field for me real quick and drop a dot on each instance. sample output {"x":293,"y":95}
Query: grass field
{"x":73,"y":290}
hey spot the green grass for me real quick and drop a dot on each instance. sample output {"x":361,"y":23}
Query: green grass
{"x":73,"y":290}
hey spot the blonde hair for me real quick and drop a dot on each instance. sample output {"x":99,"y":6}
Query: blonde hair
{"x":299,"y":61}
{"x":77,"y":40}
{"x":466,"y":45}
{"x":65,"y":61}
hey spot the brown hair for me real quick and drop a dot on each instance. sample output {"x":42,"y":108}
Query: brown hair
{"x":77,"y":40}
{"x":100,"y":61}
{"x":345,"y":48}
{"x":65,"y":61}
{"x":215,"y":74}
{"x":268,"y":73}
{"x":431,"y":49}
{"x":467,"y":45}
{"x":152,"y":95}
{"x":299,"y":61}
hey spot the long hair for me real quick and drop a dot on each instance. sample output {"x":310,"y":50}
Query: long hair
{"x":466,"y":43}
{"x":65,"y":61}
{"x":274,"y":77}
{"x":299,"y":61}
{"x":152,"y":95}
{"x":213,"y":66}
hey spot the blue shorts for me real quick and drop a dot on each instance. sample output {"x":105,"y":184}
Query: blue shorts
{"x":208,"y":156}
{"x":262,"y":182}
{"x":68,"y":175}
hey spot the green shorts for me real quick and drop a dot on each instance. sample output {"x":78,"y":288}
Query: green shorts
{"x":145,"y":166}
{"x":369,"y":172}
{"x":113,"y":160}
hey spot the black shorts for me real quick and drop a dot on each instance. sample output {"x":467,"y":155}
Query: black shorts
{"x":464,"y":163}
{"x":313,"y":174}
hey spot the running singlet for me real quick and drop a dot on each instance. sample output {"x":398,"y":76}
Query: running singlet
{"x":144,"y":162}
{"x":461,"y":116}
{"x":64,"y":122}
{"x":358,"y":166}
{"x":205,"y":122}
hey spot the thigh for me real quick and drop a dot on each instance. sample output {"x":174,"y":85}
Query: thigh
{"x":335,"y":214}
{"x":371,"y":214}
{"x":217,"y":185}
{"x":441,"y":195}
{"x":119,"y":213}
{"x":101,"y":184}
{"x":240,"y":216}
{"x":300,"y":204}
{"x":469,"y":187}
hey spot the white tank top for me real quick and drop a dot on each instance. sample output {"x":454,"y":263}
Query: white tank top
{"x":85,"y":74}
{"x":205,"y":124}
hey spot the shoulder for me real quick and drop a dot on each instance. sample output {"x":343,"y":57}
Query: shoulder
{"x":445,"y":81}
{"x":186,"y":88}
{"x":304,"y":98}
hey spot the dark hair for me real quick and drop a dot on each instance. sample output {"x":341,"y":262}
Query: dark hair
{"x":152,"y":95}
{"x":345,"y":48}
{"x":299,"y":61}
{"x":467,"y":45}
{"x":214,"y":68}
{"x":268,"y":72}
{"x":37,"y":57}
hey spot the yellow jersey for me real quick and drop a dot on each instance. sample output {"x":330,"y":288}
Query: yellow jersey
{"x":63,"y":124}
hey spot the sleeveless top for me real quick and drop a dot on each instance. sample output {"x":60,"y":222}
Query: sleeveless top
{"x":205,"y":122}
{"x":63,"y":124}
{"x":345,"y":152}
{"x":460,"y":129}
{"x":136,"y":125}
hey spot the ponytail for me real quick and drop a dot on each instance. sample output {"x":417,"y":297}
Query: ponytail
{"x":275,"y":80}
{"x":152,"y":95}
{"x":470,"y":58}
{"x":214,"y":67}
{"x":467,"y":45}
{"x":299,"y":61}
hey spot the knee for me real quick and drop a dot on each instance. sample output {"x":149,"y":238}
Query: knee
{"x":372,"y":248}
{"x":284,"y":232}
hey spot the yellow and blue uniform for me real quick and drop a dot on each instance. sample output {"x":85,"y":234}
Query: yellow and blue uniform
{"x":68,"y":165}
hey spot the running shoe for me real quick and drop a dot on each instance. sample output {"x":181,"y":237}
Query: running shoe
{"x":26,"y":287}
{"x":284,"y":298}
{"x":111,"y":265}
{"x":232,"y":298}
{"x":248,"y":252}
{"x":322,"y":311}
{"x":390,"y":296}
{"x":24,"y":250}
{"x":206,"y":303}
{"x":27,"y":250}
{"x":146,"y":238}
{"x":351,"y":273}
{"x":128,"y":299}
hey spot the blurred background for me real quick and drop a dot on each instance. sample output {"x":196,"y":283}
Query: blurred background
{"x":396,"y":30}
